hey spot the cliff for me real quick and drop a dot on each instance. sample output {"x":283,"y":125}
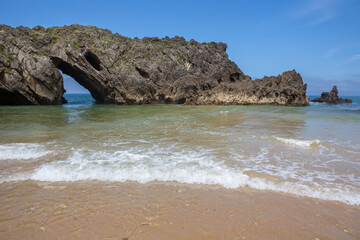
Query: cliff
{"x":120,"y":70}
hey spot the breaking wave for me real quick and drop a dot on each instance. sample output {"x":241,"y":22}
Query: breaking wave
{"x":22,"y":151}
{"x":299,"y":142}
{"x":191,"y":167}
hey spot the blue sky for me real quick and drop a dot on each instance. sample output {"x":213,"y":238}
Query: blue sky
{"x":318,"y":38}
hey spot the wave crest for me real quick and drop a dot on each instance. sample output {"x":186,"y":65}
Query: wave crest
{"x":185,"y":167}
{"x":22,"y":151}
{"x":299,"y":142}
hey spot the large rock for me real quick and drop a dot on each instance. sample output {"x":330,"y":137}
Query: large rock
{"x":331,"y":97}
{"x":119,"y":70}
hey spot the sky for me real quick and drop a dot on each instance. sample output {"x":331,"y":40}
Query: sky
{"x":320,"y":39}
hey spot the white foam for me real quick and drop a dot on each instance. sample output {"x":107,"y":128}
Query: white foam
{"x":22,"y":151}
{"x":192,"y":167}
{"x":299,"y":142}
{"x":186,"y":167}
{"x":346,"y":195}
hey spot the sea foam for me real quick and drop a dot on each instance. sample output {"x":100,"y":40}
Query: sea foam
{"x":190,"y":167}
{"x":22,"y":151}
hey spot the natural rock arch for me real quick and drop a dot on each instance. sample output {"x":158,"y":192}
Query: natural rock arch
{"x":120,"y":70}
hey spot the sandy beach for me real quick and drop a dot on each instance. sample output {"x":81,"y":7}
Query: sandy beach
{"x":104,"y":210}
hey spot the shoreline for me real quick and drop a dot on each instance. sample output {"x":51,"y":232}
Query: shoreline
{"x":167,"y":210}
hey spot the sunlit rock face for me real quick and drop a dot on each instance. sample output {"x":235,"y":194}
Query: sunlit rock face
{"x":120,"y":70}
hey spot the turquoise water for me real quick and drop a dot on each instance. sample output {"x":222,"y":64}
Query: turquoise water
{"x":309,"y":151}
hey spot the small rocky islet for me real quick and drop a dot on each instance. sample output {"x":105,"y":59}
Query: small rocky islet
{"x":120,"y":70}
{"x":331,"y":97}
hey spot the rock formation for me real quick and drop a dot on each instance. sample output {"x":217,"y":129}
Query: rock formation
{"x":331,"y":97}
{"x":120,"y":70}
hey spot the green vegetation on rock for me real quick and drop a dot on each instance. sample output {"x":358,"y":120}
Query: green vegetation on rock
{"x":9,"y":57}
{"x":76,"y":44}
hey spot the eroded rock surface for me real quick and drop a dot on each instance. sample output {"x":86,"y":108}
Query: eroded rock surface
{"x":120,"y":70}
{"x":331,"y":97}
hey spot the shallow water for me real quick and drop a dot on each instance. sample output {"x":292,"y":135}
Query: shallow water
{"x":307,"y":151}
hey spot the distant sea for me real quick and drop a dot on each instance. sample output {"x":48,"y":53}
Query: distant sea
{"x":309,"y":151}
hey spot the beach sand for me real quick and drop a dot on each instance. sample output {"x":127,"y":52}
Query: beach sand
{"x":108,"y":210}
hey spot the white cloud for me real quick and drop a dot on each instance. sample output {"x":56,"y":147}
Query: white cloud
{"x":318,"y":11}
{"x":347,"y":61}
{"x":330,"y":52}
{"x":355,"y":57}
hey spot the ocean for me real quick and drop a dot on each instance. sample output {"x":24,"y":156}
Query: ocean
{"x":309,"y":151}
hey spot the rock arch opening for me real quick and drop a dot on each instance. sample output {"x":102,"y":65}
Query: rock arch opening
{"x":75,"y":93}
{"x":79,"y":74}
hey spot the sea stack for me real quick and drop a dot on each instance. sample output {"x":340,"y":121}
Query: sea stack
{"x":120,"y":70}
{"x":331,"y":97}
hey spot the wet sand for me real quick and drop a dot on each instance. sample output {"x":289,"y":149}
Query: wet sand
{"x":105,"y":210}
